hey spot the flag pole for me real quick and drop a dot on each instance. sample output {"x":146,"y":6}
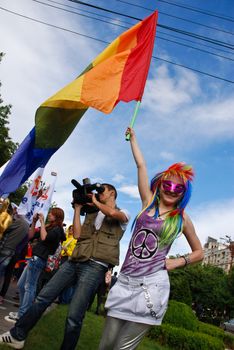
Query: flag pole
{"x":133,"y":119}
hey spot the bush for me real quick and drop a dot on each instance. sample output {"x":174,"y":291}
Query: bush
{"x":180,"y":315}
{"x":179,"y":319}
{"x":210,"y":329}
{"x":228,"y":339}
{"x":183,"y":339}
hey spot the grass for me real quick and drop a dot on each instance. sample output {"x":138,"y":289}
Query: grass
{"x":48,"y":333}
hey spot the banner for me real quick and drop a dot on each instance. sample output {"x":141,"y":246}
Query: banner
{"x":43,"y":203}
{"x":27,"y":204}
{"x":37,"y":199}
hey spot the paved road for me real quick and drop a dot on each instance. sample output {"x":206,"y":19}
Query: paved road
{"x":10,"y":304}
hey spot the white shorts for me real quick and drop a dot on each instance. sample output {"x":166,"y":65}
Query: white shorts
{"x":137,"y":299}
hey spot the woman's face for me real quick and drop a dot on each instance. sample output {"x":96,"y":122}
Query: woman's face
{"x":70,"y":230}
{"x":51,"y":217}
{"x":171,"y":190}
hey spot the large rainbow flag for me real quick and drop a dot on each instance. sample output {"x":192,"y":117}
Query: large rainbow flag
{"x":117,"y":74}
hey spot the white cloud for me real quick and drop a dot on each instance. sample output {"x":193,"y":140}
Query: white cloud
{"x":118,"y":178}
{"x":215,"y":118}
{"x":131,"y":190}
{"x":179,"y":114}
{"x":213,"y":219}
{"x":166,"y":155}
{"x":165,"y":94}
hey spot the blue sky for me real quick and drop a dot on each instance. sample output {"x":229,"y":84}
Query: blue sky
{"x":184,"y":116}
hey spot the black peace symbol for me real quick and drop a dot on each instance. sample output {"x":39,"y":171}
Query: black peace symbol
{"x":144,"y":244}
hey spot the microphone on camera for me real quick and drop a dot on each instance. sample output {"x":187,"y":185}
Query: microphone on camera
{"x":76,"y":183}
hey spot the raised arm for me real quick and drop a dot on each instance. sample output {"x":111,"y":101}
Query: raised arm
{"x":143,"y":181}
{"x":43,"y":232}
{"x":32,"y":227}
{"x":76,"y":221}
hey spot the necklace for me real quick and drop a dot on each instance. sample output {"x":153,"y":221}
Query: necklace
{"x":165,"y":212}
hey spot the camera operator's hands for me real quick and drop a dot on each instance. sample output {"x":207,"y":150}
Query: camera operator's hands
{"x":94,"y":200}
{"x":77,"y":206}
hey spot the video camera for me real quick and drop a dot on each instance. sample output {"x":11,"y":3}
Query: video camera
{"x":80,"y":194}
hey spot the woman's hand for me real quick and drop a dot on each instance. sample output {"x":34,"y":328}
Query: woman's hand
{"x":172,"y":264}
{"x":41,"y":218}
{"x":130,"y":132}
{"x":108,"y":278}
{"x":35,"y":218}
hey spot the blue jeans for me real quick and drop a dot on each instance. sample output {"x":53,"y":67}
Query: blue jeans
{"x":88,"y":276}
{"x":27,"y":283}
{"x":4,"y":262}
{"x":66,"y":296}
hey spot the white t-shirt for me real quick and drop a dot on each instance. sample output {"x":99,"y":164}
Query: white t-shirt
{"x":100,"y":217}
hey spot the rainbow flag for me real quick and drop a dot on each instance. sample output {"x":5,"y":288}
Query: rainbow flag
{"x":117,"y":74}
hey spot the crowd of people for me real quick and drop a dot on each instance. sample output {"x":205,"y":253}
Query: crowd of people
{"x":89,"y":251}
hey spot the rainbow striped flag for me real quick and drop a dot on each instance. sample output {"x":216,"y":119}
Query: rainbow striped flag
{"x":117,"y":74}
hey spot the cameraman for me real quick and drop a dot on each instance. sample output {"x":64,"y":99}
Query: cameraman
{"x":97,"y":250}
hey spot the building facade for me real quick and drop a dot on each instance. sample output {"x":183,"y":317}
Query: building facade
{"x":218,"y":254}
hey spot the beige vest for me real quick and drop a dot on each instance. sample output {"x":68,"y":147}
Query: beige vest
{"x":102,"y":244}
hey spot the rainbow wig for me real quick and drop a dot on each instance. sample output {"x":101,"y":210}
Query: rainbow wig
{"x":173,"y":223}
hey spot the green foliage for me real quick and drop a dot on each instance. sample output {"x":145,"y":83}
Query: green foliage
{"x":179,"y":319}
{"x":228,"y":339}
{"x":180,"y":315}
{"x":180,"y":289}
{"x":210,"y":329}
{"x":207,"y":288}
{"x":17,"y":196}
{"x":230,"y":284}
{"x":7,"y":146}
{"x":183,"y":339}
{"x":48,"y":333}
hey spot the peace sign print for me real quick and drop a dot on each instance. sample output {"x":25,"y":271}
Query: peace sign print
{"x":144,"y":244}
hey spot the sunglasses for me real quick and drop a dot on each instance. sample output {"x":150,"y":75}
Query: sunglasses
{"x":170,"y":186}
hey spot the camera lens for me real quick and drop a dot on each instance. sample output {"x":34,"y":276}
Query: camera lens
{"x":86,"y":181}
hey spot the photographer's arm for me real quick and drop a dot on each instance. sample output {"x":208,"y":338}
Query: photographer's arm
{"x":109,"y":211}
{"x":76,"y":221}
{"x":32,"y":227}
{"x":43,"y":232}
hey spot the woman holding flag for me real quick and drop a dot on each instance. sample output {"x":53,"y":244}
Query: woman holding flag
{"x":140,"y":296}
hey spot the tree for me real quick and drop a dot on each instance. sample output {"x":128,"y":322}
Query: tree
{"x":207,"y":288}
{"x":180,"y":289}
{"x":230,"y":301}
{"x":7,"y":146}
{"x":17,"y":196}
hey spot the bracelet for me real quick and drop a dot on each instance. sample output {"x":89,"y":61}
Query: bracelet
{"x":186,"y":259}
